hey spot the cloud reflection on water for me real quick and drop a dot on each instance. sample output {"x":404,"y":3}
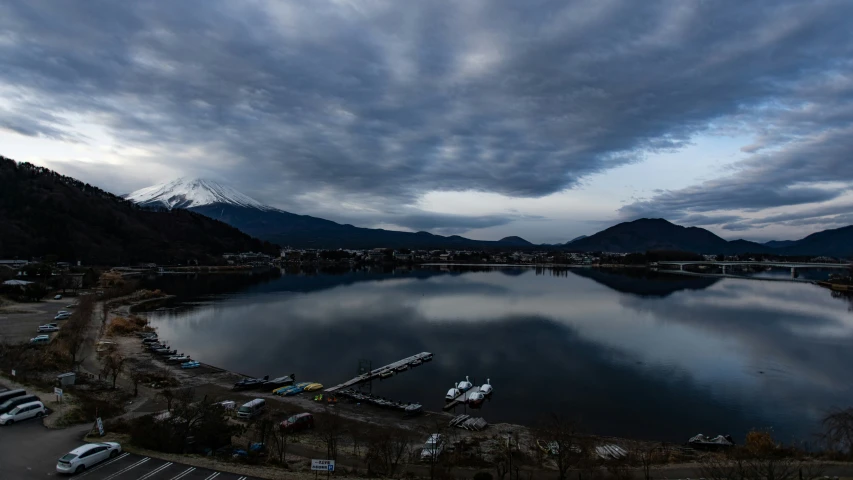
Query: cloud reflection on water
{"x":674,"y":359}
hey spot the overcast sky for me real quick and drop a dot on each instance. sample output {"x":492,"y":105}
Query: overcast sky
{"x":544,"y":119}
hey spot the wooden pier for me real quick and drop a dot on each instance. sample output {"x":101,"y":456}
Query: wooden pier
{"x":375,"y":373}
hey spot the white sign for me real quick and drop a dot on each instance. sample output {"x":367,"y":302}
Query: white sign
{"x":13,"y":372}
{"x":322,"y":465}
{"x":100,"y":426}
{"x":57,"y":391}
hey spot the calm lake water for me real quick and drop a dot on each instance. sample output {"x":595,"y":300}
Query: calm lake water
{"x":631,"y":354}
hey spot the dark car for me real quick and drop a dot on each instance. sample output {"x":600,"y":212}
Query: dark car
{"x":298,"y":422}
{"x":9,"y":394}
{"x":8,"y":405}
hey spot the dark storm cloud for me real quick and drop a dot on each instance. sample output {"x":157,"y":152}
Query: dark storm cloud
{"x":388,"y":101}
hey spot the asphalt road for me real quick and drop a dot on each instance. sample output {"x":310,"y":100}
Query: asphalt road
{"x":28,"y":451}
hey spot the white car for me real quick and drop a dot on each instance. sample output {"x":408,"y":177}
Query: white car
{"x":63,"y":312}
{"x":22,"y":412}
{"x":40,"y":340}
{"x":62,"y":316}
{"x":50,"y":327}
{"x":87,"y":456}
{"x":58,"y":297}
{"x":432,"y":448}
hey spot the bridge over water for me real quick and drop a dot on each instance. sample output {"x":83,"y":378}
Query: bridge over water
{"x":794,"y":266}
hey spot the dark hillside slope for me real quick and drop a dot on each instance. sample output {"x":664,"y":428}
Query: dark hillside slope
{"x":837,"y":242}
{"x":305,"y":231}
{"x":44,"y":213}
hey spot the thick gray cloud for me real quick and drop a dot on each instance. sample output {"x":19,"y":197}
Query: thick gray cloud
{"x":386,"y":101}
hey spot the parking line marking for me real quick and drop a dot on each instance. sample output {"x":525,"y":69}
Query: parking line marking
{"x":183,"y":474}
{"x":103,"y":465}
{"x":242,"y":478}
{"x":212,"y":476}
{"x":128,"y":468}
{"x":155,"y":471}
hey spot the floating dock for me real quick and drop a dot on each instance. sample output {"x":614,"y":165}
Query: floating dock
{"x":461,"y":399}
{"x":375,"y":373}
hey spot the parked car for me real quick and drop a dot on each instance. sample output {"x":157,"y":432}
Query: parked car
{"x":40,"y":340}
{"x":8,"y":405}
{"x":87,"y":456}
{"x":49,"y":327}
{"x":298,"y":422}
{"x":22,"y":412}
{"x":251,"y":409}
{"x":58,"y":297}
{"x":63,"y":312}
{"x":10,"y":394}
{"x":62,"y":316}
{"x":432,"y":447}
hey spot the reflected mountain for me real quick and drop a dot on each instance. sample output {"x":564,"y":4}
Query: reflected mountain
{"x":664,"y":361}
{"x":643,"y":282}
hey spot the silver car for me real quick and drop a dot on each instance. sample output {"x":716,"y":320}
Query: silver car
{"x":87,"y":456}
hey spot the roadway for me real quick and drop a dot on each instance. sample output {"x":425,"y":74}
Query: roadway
{"x":29,"y":450}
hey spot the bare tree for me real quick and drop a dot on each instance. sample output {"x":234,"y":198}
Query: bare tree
{"x":647,"y":456}
{"x":397,"y":447}
{"x":112,"y":366}
{"x":838,"y":430}
{"x":330,"y":431}
{"x":73,"y":334}
{"x":386,"y":449}
{"x":503,"y":457}
{"x":436,"y":453}
{"x":563,"y":436}
{"x":174,"y":396}
{"x":280,"y":437}
{"x":139,"y":371}
{"x":356,"y":434}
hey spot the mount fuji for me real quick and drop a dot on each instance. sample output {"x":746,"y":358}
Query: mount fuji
{"x":228,"y":205}
{"x":192,"y":192}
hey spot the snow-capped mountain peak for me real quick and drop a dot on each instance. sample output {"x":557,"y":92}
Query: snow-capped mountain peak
{"x":192,"y":192}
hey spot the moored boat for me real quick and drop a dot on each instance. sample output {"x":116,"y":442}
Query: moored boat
{"x":279,"y":382}
{"x":465,"y":385}
{"x":250,"y":383}
{"x":452,"y":394}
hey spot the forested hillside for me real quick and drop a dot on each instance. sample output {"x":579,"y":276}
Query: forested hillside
{"x":45,"y":213}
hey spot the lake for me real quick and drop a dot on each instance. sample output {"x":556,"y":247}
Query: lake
{"x":627,"y":353}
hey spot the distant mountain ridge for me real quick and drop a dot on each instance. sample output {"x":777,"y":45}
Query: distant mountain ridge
{"x":648,"y":234}
{"x":226,"y":204}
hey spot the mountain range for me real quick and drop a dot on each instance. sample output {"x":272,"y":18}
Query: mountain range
{"x":223,"y":203}
{"x":284,"y":228}
{"x":44,"y":213}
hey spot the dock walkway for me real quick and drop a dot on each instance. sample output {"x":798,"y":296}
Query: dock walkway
{"x":462,"y":398}
{"x":375,"y":373}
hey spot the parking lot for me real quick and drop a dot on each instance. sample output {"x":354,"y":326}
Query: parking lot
{"x":20,"y":322}
{"x":30,"y":451}
{"x":133,"y":467}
